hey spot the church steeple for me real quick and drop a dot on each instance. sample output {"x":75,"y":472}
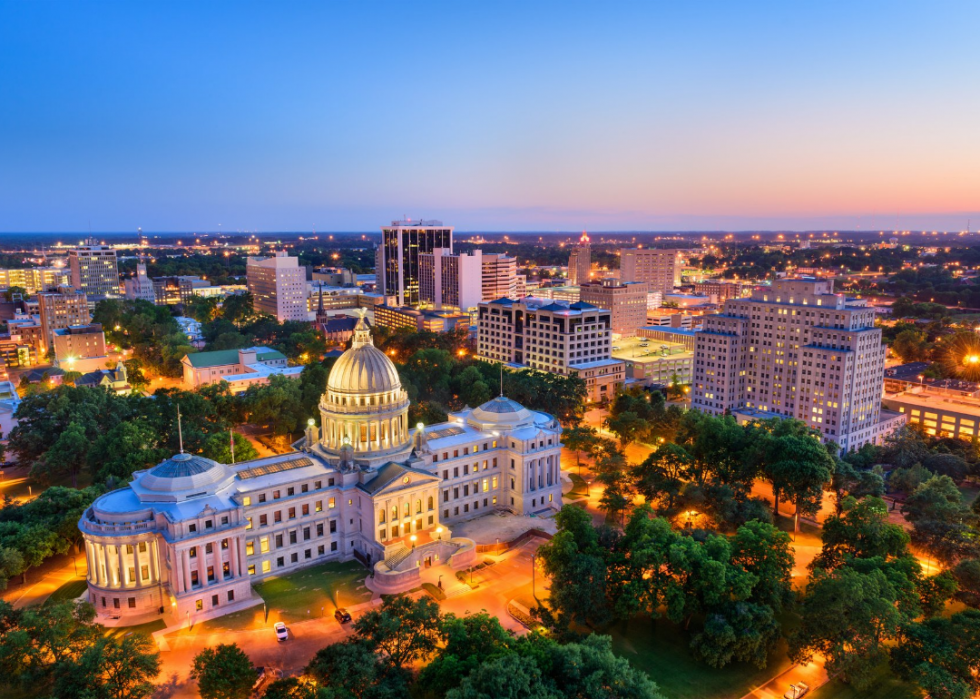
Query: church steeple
{"x":321,"y":314}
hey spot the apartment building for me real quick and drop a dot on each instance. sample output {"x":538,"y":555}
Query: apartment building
{"x":59,"y":310}
{"x":448,"y":280}
{"x":580,"y":261}
{"x":500,"y":278}
{"x":627,"y":303}
{"x":278,"y":286}
{"x":660,"y":269}
{"x":94,"y":269}
{"x":552,"y":336}
{"x":795,"y":350}
{"x":719,"y":291}
{"x":397,"y":258}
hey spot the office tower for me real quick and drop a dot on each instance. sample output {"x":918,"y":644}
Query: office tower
{"x":553,"y":336}
{"x":580,"y":261}
{"x":658,"y":268}
{"x":499,"y":277}
{"x":447,"y":280}
{"x":397,"y":259}
{"x":59,"y":310}
{"x":627,"y":303}
{"x":94,"y":269}
{"x":799,"y":350}
{"x":278,"y":286}
{"x":34,"y":279}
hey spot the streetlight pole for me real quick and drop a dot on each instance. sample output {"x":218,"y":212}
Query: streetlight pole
{"x":534,"y":593}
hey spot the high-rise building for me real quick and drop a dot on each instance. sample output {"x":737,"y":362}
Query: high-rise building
{"x":94,"y":269}
{"x":448,"y":280}
{"x":61,"y":310}
{"x":580,"y":261}
{"x":499,"y":277}
{"x":397,"y":260}
{"x":658,"y":268}
{"x":627,"y":303}
{"x":80,"y":347}
{"x":553,"y":336}
{"x":278,"y":286}
{"x":798,"y":350}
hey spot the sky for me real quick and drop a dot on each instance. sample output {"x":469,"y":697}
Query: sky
{"x":524,"y":116}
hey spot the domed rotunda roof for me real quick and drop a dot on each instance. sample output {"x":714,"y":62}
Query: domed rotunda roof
{"x":184,"y":472}
{"x":502,"y":411}
{"x":363,"y":368}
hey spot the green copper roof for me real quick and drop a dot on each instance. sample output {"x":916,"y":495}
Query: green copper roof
{"x":201,"y":360}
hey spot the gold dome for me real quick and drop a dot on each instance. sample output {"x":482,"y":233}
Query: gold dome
{"x":363,"y":368}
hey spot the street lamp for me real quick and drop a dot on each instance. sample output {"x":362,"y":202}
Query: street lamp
{"x":412,"y":539}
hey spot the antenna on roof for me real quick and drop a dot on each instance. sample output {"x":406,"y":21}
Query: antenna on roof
{"x":180,"y":431}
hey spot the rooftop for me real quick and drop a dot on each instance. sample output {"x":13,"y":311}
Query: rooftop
{"x":201,"y":360}
{"x":966,"y":406}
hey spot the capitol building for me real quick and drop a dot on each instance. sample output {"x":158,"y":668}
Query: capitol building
{"x":185,"y":540}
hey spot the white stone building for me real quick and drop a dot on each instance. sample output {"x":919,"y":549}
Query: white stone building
{"x":185,"y":539}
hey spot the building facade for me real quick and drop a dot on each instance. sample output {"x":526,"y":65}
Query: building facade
{"x":660,"y":269}
{"x":627,"y":303}
{"x":719,"y":292}
{"x":552,"y":336}
{"x":500,"y":278}
{"x":414,"y":319}
{"x":240,"y":368}
{"x":34,"y":279}
{"x":450,"y":281}
{"x":397,"y":259}
{"x":580,"y":261}
{"x":60,"y":310}
{"x":80,"y":347}
{"x":185,"y":540}
{"x":94,"y":269}
{"x":795,"y":350}
{"x":278,"y":286}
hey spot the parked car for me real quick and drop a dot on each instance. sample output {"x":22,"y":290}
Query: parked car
{"x":796,"y":691}
{"x":281,"y":632}
{"x":341,"y":615}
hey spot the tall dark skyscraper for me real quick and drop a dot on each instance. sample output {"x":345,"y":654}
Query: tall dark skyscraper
{"x":398,"y":257}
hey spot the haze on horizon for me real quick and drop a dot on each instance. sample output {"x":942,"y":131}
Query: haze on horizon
{"x":496,"y":116}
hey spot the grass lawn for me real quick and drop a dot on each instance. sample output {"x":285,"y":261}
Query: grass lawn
{"x":885,"y":686}
{"x":69,"y":591}
{"x":299,"y":596}
{"x":579,"y":487}
{"x":147,"y":628}
{"x":660,"y":649}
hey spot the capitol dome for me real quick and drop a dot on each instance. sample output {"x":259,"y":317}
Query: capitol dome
{"x":184,"y":472}
{"x":364,"y":405}
{"x":363,"y":368}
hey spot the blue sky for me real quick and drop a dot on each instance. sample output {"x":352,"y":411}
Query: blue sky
{"x":490,"y":116}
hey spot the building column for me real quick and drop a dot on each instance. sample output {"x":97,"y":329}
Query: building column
{"x":138,"y":578}
{"x":88,"y":563}
{"x":177,"y":582}
{"x":185,"y":562}
{"x":202,"y":565}
{"x":239,"y":542}
{"x":154,"y":562}
{"x":101,"y":564}
{"x":233,"y":559}
{"x":122,"y":565}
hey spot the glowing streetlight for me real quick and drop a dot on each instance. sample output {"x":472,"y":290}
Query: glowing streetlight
{"x":412,"y":538}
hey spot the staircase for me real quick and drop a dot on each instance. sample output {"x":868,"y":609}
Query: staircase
{"x":394,"y":555}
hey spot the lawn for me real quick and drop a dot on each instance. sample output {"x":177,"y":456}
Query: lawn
{"x":884,"y":686}
{"x":579,"y":487}
{"x":69,"y":591}
{"x":305,"y":594}
{"x":660,"y":649}
{"x":148,"y":628}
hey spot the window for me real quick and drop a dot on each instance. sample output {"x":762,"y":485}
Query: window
{"x":317,"y":485}
{"x":261,"y":497}
{"x":115,"y":602}
{"x":224,"y":520}
{"x":294,"y":558}
{"x":319,"y":505}
{"x":280,"y":562}
{"x":263,"y":520}
{"x":319,"y":529}
{"x":275,"y":495}
{"x":331,"y":503}
{"x":231,"y":595}
{"x":142,"y":547}
{"x":264,"y":544}
{"x":132,"y":603}
{"x":266,"y":566}
{"x":333,"y":526}
{"x":308,"y":553}
{"x":305,"y":488}
{"x":277,"y":516}
{"x":333,"y":545}
{"x":198,"y":604}
{"x":214,"y":600}
{"x":320,"y":550}
{"x":192,"y":553}
{"x":278,"y":541}
{"x":145,"y":572}
{"x":306,"y":510}
{"x":249,"y":548}
{"x":251,"y":569}
{"x":192,"y":528}
{"x":292,"y":513}
{"x":292,"y":537}
{"x":306,"y":533}
{"x":486,"y":485}
{"x":290,"y":491}
{"x":249,"y":520}
{"x":246,"y":501}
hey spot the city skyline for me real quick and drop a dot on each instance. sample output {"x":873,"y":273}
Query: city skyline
{"x":491,"y":118}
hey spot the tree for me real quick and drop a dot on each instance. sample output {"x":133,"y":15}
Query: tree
{"x":906,"y":480}
{"x":296,"y":688}
{"x":509,"y":677}
{"x":941,"y":655}
{"x":238,"y":309}
{"x":862,"y":531}
{"x":911,"y":346}
{"x":628,"y":426}
{"x":469,"y":641}
{"x":66,"y":456}
{"x":796,"y":463}
{"x":764,"y":551}
{"x":660,"y":477}
{"x":112,"y":669}
{"x":578,"y":439}
{"x":218,"y":447}
{"x":739,"y":631}
{"x":941,"y":523}
{"x":847,"y":616}
{"x":223,"y":672}
{"x":967,"y":574}
{"x":403,"y":630}
{"x":352,"y":669}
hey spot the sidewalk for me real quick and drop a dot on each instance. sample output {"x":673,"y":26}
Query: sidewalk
{"x":812,"y":674}
{"x":44,"y":580}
